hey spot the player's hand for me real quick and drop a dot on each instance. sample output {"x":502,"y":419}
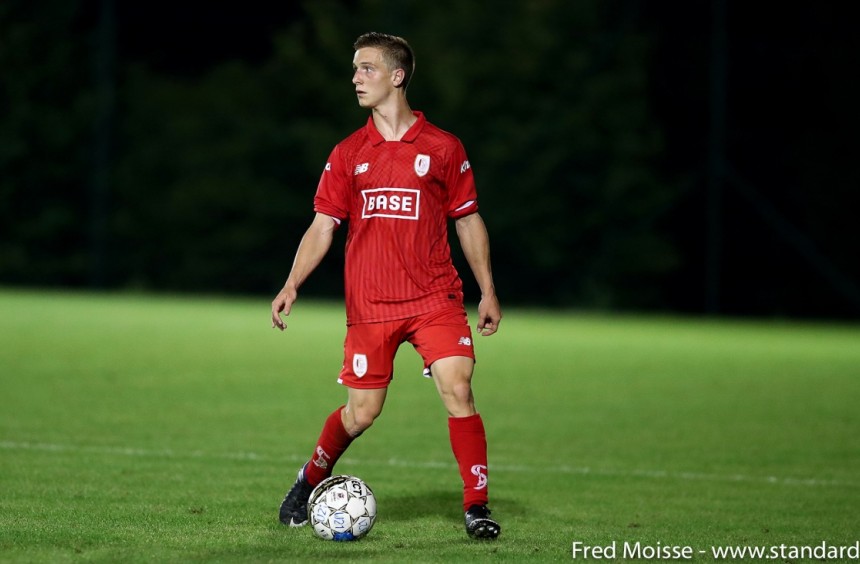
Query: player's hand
{"x":489,"y":315}
{"x":283,"y":302}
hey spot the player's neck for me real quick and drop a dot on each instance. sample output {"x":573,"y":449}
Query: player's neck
{"x":393,"y":120}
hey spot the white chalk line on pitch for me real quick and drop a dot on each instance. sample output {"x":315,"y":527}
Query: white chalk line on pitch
{"x":401,"y":463}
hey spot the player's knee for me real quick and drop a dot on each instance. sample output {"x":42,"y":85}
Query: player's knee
{"x":362,"y":423}
{"x":358,"y":420}
{"x":458,"y":392}
{"x":463,"y":392}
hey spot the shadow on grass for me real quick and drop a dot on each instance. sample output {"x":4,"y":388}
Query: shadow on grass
{"x":439,"y":503}
{"x":422,"y":504}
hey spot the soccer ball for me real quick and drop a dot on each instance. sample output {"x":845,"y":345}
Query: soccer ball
{"x":342,"y":508}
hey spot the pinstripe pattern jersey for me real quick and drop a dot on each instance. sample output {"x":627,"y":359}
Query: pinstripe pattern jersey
{"x":397,"y":197}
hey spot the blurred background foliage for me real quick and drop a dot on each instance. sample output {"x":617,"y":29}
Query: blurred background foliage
{"x":179,"y":150}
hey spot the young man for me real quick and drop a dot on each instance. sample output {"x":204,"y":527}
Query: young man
{"x":397,"y":181}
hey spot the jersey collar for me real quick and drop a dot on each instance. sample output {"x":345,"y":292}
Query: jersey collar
{"x":408,"y":137}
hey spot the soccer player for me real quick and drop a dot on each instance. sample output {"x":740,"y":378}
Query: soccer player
{"x":396,"y":182}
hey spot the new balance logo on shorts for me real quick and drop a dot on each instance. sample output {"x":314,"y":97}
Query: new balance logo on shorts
{"x":465,"y":341}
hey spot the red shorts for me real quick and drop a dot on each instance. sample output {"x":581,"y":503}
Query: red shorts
{"x":369,"y":349}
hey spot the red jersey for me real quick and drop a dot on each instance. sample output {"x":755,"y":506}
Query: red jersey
{"x":397,"y":197}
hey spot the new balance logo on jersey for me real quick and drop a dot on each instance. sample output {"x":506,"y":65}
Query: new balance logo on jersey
{"x":397,"y":203}
{"x":464,"y":167}
{"x":361,"y":168}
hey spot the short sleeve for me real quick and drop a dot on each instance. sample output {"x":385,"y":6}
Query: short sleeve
{"x":462,"y":194}
{"x":332,"y":197}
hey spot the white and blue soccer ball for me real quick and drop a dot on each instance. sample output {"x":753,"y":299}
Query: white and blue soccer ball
{"x":342,"y":508}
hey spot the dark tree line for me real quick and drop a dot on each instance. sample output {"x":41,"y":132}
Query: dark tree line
{"x":161,"y":149}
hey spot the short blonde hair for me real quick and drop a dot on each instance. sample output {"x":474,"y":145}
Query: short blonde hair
{"x":396,"y":52}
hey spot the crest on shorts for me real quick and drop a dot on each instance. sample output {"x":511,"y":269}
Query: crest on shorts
{"x":359,"y":364}
{"x":422,"y":164}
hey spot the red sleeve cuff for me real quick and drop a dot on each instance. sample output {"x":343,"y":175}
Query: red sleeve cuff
{"x":466,"y":208}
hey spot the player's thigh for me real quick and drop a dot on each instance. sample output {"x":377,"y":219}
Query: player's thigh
{"x":453,"y":378}
{"x":452,"y":372}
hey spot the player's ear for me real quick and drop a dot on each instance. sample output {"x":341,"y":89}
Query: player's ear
{"x":397,"y":77}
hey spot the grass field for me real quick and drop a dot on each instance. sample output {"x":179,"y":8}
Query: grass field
{"x":142,"y":429}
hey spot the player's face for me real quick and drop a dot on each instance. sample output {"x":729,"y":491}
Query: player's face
{"x":373,"y":81}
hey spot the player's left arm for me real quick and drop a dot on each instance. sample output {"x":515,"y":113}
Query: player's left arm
{"x":475,"y":242}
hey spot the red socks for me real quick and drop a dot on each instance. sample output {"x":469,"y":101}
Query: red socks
{"x":469,"y":443}
{"x":332,"y":443}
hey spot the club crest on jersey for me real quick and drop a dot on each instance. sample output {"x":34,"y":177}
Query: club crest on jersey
{"x":422,"y":164}
{"x":396,"y":203}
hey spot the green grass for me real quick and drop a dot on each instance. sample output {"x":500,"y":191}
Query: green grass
{"x":143,"y":429}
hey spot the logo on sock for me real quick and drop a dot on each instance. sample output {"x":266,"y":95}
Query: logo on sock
{"x":480,"y":471}
{"x":322,"y":458}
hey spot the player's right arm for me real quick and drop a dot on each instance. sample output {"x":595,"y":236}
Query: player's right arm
{"x":313,"y":247}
